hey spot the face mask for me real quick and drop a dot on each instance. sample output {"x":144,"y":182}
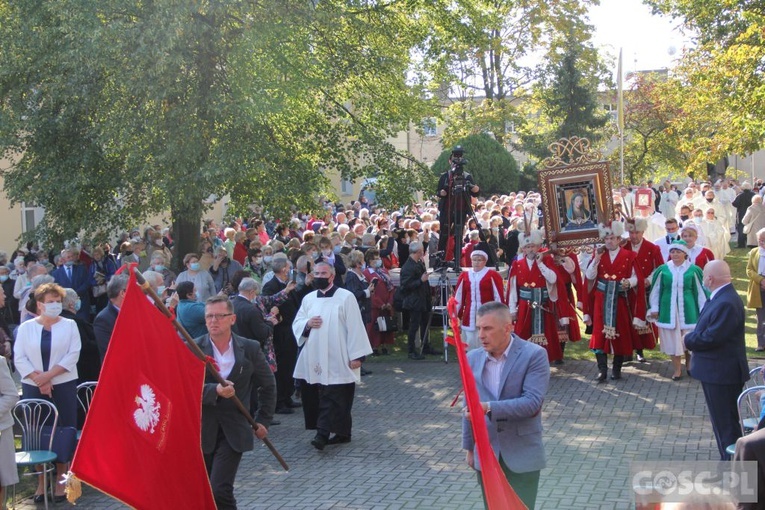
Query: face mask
{"x":52,"y":309}
{"x":337,"y":249}
{"x":697,"y":220}
{"x":194,"y":266}
{"x":683,"y":217}
{"x":3,"y":278}
{"x":69,"y":263}
{"x":161,"y":289}
{"x":314,"y":255}
{"x":709,"y":200}
{"x":77,"y":305}
{"x":268,"y":259}
{"x":257,"y":260}
{"x":321,"y":283}
{"x":159,"y":267}
{"x":326,"y":253}
{"x":378,"y":264}
{"x":128,"y":253}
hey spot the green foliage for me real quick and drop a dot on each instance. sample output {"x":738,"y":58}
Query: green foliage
{"x":493,"y":168}
{"x":565,"y":103}
{"x":116,"y":110}
{"x":475,"y":56}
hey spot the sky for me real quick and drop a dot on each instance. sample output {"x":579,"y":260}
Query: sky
{"x":648,"y":41}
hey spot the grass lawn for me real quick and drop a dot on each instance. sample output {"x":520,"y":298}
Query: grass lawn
{"x":579,"y":350}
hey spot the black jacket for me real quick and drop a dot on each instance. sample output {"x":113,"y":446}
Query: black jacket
{"x":416,"y":292}
{"x":250,"y":322}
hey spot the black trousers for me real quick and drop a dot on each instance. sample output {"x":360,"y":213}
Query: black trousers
{"x":286,"y":352}
{"x":327,"y":408}
{"x":222,"y":465}
{"x":723,"y":411}
{"x":525,"y":485}
{"x":418,"y":321}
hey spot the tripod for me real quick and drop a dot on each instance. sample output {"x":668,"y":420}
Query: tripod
{"x":444,"y":290}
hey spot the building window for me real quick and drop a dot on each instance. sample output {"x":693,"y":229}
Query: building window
{"x":31,"y":215}
{"x":509,"y":126}
{"x":430,"y":127}
{"x":346,"y":187}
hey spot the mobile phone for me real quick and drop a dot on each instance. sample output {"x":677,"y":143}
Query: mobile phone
{"x":374,"y":281}
{"x":170,"y":291}
{"x":293,"y":275}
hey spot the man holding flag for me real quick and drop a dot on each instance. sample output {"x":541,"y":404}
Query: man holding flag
{"x":511,"y":376}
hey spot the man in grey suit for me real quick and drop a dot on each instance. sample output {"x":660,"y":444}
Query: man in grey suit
{"x":226,"y":433}
{"x":512,"y":376}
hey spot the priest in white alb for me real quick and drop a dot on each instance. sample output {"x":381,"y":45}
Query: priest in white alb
{"x":329,"y":328}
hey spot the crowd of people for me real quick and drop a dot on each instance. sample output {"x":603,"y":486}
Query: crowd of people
{"x":642,"y":287}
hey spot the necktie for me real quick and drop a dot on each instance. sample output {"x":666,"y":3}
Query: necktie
{"x":69,"y":273}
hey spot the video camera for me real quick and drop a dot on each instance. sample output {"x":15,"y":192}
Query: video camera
{"x":458,"y":160}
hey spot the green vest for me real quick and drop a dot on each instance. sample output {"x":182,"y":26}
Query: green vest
{"x":670,"y":304}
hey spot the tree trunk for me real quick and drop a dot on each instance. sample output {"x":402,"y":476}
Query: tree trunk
{"x":186,"y":234}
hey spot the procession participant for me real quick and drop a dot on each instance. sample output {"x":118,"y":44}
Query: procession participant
{"x":717,"y":234}
{"x":677,"y":297}
{"x":570,"y":280}
{"x":334,"y":342}
{"x":614,"y":273}
{"x":673,"y":233}
{"x":697,"y":254}
{"x":532,"y":293}
{"x":648,"y":259}
{"x":475,"y":287}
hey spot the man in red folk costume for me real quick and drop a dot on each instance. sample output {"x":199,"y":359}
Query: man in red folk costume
{"x":649,"y":257}
{"x":614,"y":274}
{"x":475,"y":287}
{"x":569,"y":281}
{"x":532,"y":292}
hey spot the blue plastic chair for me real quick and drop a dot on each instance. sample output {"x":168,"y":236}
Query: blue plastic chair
{"x":37,"y":419}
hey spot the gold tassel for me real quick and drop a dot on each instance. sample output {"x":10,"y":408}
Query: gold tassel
{"x":610,"y":332}
{"x":643,"y":330}
{"x":73,"y":487}
{"x":539,"y":340}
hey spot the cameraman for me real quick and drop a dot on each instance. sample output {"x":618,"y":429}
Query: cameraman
{"x":455,"y":189}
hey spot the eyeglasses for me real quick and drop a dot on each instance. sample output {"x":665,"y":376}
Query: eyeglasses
{"x":217,"y":316}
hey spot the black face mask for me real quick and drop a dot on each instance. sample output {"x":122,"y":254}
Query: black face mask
{"x":321,"y":283}
{"x":710,"y":200}
{"x":128,"y":253}
{"x":683,"y":217}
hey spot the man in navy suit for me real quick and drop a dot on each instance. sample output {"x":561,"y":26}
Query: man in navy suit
{"x":77,"y":277}
{"x":103,"y":325}
{"x":719,"y":355}
{"x":512,"y":376}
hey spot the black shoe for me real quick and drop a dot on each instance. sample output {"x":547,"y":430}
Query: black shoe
{"x":284,"y":410}
{"x":39,"y":498}
{"x":59,"y":499}
{"x":616,"y":376}
{"x":375,"y":352}
{"x":385,"y":351}
{"x":641,"y":358}
{"x":601,"y":377}
{"x":558,"y":362}
{"x":275,"y":422}
{"x":432,"y":351}
{"x":294,"y":404}
{"x":319,"y":442}
{"x":364,"y":371}
{"x":414,"y":355}
{"x":336,"y":439}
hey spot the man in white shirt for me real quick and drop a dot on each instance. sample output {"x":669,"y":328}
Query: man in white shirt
{"x":511,"y":400}
{"x":329,"y":328}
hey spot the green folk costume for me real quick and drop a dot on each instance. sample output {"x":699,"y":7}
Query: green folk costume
{"x":688,"y":305}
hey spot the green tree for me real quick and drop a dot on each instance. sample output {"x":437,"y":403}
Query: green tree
{"x":476,"y":57}
{"x":721,"y":81}
{"x":494,"y":169}
{"x":115,"y":110}
{"x":565,"y":101}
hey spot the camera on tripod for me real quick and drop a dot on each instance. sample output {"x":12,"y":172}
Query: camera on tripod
{"x":457,"y":160}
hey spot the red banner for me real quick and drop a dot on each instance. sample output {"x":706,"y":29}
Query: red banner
{"x":141,"y":443}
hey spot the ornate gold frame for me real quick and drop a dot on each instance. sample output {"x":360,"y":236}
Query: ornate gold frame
{"x":574,"y":169}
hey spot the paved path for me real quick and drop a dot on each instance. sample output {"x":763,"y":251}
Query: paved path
{"x":406,"y":451}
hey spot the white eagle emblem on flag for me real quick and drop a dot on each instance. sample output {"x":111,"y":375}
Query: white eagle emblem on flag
{"x":147,"y":414}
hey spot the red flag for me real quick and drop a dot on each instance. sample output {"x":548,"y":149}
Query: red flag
{"x":499,"y":494}
{"x":141,"y":443}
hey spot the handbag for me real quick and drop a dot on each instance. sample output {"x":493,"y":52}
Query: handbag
{"x":386,"y":324}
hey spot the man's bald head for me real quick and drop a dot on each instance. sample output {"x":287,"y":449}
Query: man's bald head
{"x":716,"y":274}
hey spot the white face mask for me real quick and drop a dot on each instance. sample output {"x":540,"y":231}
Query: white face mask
{"x":52,"y":309}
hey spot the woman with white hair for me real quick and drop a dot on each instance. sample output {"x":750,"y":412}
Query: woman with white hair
{"x":755,"y":293}
{"x":753,"y":221}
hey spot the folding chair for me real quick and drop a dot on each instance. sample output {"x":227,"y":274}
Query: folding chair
{"x":36,"y":417}
{"x":84,"y":397}
{"x":756,"y":377}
